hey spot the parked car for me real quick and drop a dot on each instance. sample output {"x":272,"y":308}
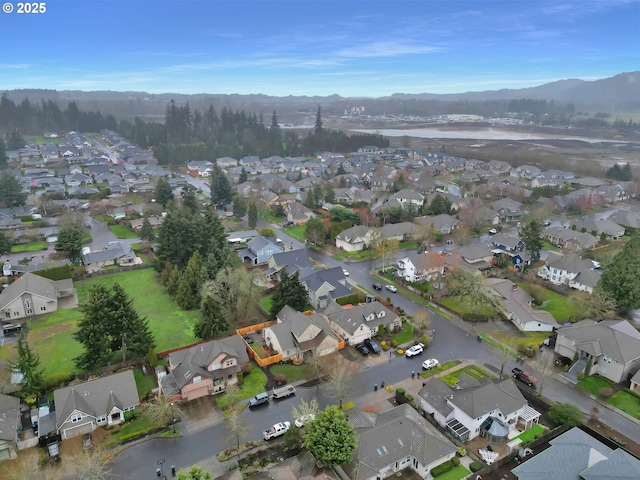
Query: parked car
{"x":276,"y":430}
{"x":372,"y":346}
{"x":259,"y":399}
{"x":362,"y":349}
{"x":493,"y":231}
{"x":287,"y":224}
{"x":415,"y":350}
{"x":562,"y":361}
{"x":547,"y":223}
{"x":304,"y":419}
{"x":524,"y":377}
{"x":10,"y":328}
{"x":391,"y":288}
{"x":429,"y":364}
{"x":376,"y":286}
{"x":346,"y":272}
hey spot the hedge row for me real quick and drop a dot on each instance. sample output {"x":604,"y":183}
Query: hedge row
{"x":442,"y":468}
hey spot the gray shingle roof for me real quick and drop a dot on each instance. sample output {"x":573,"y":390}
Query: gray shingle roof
{"x":114,"y":251}
{"x":9,"y":414}
{"x":616,"y":339}
{"x":96,"y":397}
{"x":351,"y":318}
{"x":395,"y":435}
{"x":572,"y":263}
{"x":35,"y":285}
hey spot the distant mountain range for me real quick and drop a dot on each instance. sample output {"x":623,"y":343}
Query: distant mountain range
{"x":620,"y":93}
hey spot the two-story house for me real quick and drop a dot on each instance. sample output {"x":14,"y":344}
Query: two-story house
{"x":355,"y":239}
{"x":259,"y":249}
{"x":203,"y":369}
{"x":508,"y":209}
{"x":32,"y":295}
{"x":421,"y":267}
{"x":356,"y":323}
{"x":570,"y":239}
{"x":406,"y":197}
{"x":83,"y":407}
{"x":473,"y":408}
{"x":570,"y":270}
{"x":325,"y":285}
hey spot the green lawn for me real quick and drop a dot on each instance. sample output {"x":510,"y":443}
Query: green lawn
{"x":296,"y":232}
{"x":560,"y":307}
{"x":472,"y":370}
{"x":29,"y":247}
{"x":457,"y":473}
{"x":266,"y":302}
{"x":271,"y":218}
{"x":254,"y":383}
{"x":121,"y":231}
{"x":460,"y":308}
{"x":51,"y":335}
{"x":406,"y":335}
{"x":439,"y":369}
{"x":359,"y":256}
{"x":145,"y":383}
{"x":292,"y":372}
{"x":529,"y":435}
{"x":593,"y":384}
{"x":626,"y":402}
{"x":549,"y":246}
{"x":408,"y":245}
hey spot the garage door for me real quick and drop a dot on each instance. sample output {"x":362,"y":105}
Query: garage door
{"x":5,"y":453}
{"x":78,"y":430}
{"x":197,"y":393}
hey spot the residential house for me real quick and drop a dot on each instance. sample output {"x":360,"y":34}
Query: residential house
{"x":443,"y":223}
{"x":241,"y":236}
{"x":627,"y":218}
{"x":201,"y":168}
{"x":406,"y":197}
{"x":476,"y":257}
{"x":297,"y":213}
{"x":207,"y":368}
{"x":259,"y":250}
{"x":356,"y":323}
{"x":115,"y":253}
{"x":576,"y":455}
{"x":155,"y":222}
{"x":508,"y":209}
{"x":355,"y":239}
{"x":527,"y":172}
{"x":614,"y":193}
{"x":395,"y":440}
{"x":402,"y":231}
{"x":516,"y":305}
{"x":83,"y":407}
{"x":609,"y":228}
{"x":498,"y":167}
{"x":570,"y":270}
{"x":573,"y":240}
{"x":325,"y":285}
{"x":291,"y":261}
{"x":298,"y":335}
{"x":508,"y":243}
{"x":11,"y":424}
{"x":609,"y":348}
{"x":492,"y":410}
{"x":32,"y":295}
{"x":421,"y":267}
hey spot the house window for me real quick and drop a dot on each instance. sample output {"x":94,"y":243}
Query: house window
{"x":102,"y":419}
{"x":229,"y":363}
{"x":230,"y":376}
{"x":43,"y":309}
{"x":29,"y":311}
{"x":15,"y":314}
{"x":76,"y":417}
{"x":7,"y":314}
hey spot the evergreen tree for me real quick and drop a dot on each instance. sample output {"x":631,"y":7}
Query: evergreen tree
{"x":188,"y":294}
{"x":11,"y":193}
{"x":163,"y":192}
{"x":253,"y":215}
{"x":28,"y":364}
{"x":146,"y":231}
{"x":213,"y":322}
{"x":5,"y":243}
{"x":189,"y":199}
{"x":532,"y":237}
{"x":221,"y":191}
{"x":128,"y":331}
{"x":620,"y":278}
{"x":92,"y":329}
{"x":330,"y":437}
{"x":15,"y":140}
{"x":289,"y":292}
{"x":315,"y":231}
{"x":3,"y":154}
{"x":69,"y":240}
{"x":439,"y":205}
{"x":239,"y":206}
{"x":318,"y":130}
{"x":244,"y":176}
{"x":173,"y":281}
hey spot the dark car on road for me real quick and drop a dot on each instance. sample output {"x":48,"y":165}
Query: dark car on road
{"x":524,"y":377}
{"x":372,"y":346}
{"x":377,"y":286}
{"x":562,"y":361}
{"x":11,"y":328}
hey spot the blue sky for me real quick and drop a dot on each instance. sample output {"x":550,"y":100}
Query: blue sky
{"x":352,"y":48}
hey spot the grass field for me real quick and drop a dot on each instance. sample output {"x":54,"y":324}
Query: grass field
{"x":296,"y":232}
{"x":472,"y":370}
{"x":562,"y":308}
{"x":457,"y":473}
{"x":359,"y":256}
{"x":292,"y":372}
{"x":594,"y":384}
{"x":29,"y":247}
{"x":530,"y":339}
{"x":439,"y":369}
{"x":254,"y":383}
{"x":406,"y":335}
{"x":266,"y":302}
{"x":40,"y":139}
{"x":460,"y":308}
{"x":50,"y":335}
{"x":120,"y":231}
{"x":529,"y":435}
{"x":626,"y":402}
{"x":145,"y":383}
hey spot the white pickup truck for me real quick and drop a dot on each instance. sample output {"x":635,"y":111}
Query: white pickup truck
{"x":277,"y":430}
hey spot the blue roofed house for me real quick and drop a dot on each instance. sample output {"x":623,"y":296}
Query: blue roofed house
{"x":259,"y":250}
{"x":291,"y":261}
{"x":511,"y":247}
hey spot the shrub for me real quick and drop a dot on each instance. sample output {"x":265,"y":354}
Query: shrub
{"x":442,"y":468}
{"x":55,"y":381}
{"x":400,"y":351}
{"x":280,"y":378}
{"x":462,"y":451}
{"x":475,"y":467}
{"x":394,"y":343}
{"x":581,"y":376}
{"x":605,"y":392}
{"x":385,"y":347}
{"x":409,"y":398}
{"x":424,"y":339}
{"x":455,"y":461}
{"x":475,"y":317}
{"x":131,"y":414}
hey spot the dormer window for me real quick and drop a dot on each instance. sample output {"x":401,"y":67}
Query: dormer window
{"x":381,"y":314}
{"x":187,"y":374}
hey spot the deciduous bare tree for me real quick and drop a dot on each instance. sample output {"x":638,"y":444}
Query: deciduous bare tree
{"x":236,"y":427}
{"x":91,"y":464}
{"x":161,"y":412}
{"x":544,"y":369}
{"x":421,"y":321}
{"x":506,"y":351}
{"x":235,"y":290}
{"x":305,"y":408}
{"x":339,"y":373}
